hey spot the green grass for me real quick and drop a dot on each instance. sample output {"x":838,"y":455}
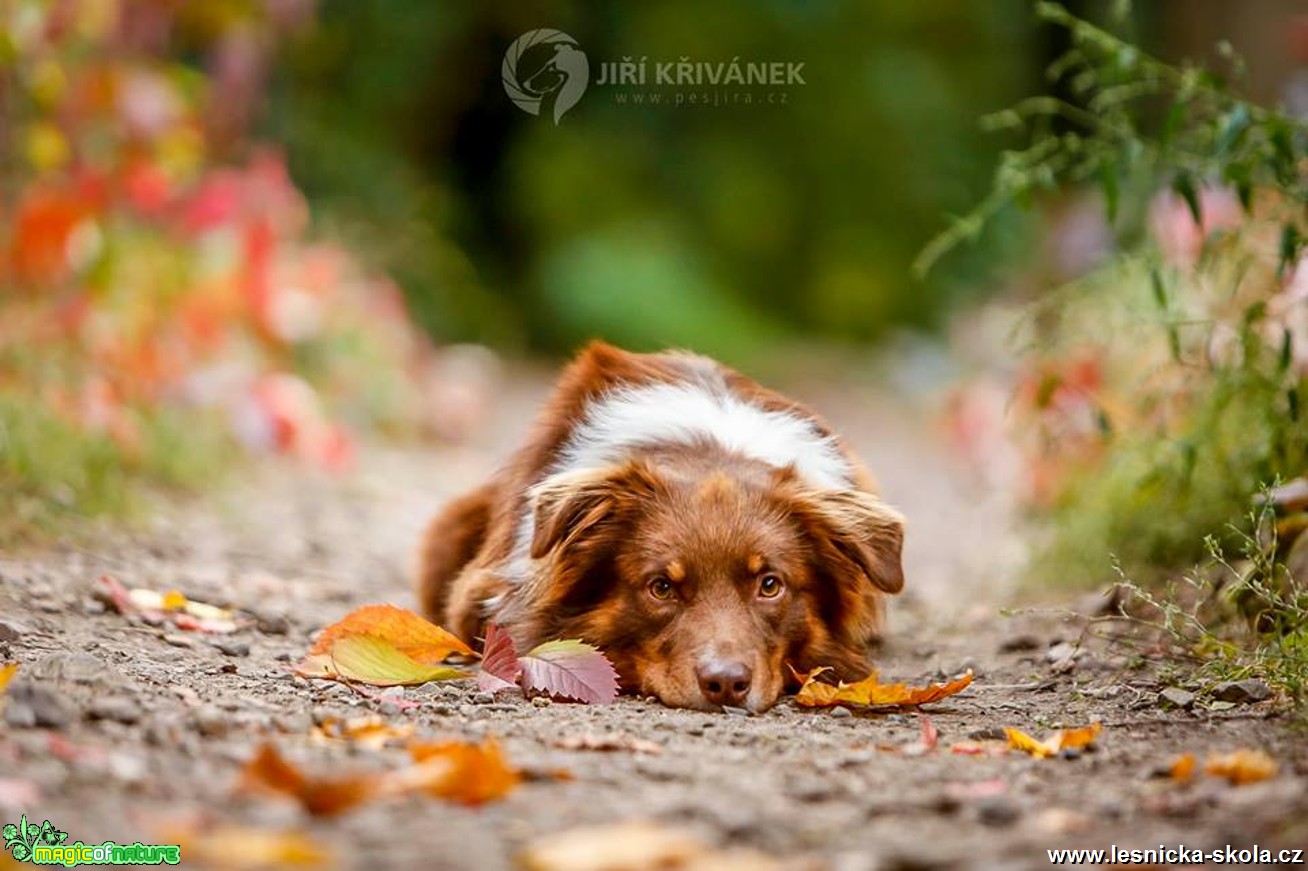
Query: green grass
{"x":54,"y":475}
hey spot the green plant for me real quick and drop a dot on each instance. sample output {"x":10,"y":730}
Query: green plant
{"x":1236,"y":618}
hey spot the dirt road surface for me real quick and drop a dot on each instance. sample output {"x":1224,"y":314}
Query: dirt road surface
{"x":118,"y":730}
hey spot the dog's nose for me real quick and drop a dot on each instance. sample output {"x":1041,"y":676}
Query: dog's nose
{"x":724,"y":682}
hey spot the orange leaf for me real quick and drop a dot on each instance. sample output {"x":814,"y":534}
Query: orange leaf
{"x":468,"y":773}
{"x":7,"y":673}
{"x":1242,"y":766}
{"x":1019,"y":740}
{"x":1182,"y":767}
{"x":869,"y":692}
{"x":236,"y":847}
{"x":403,"y":630}
{"x":269,"y":772}
{"x":373,"y":733}
{"x":1055,"y":742}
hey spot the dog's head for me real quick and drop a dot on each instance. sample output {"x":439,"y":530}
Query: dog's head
{"x":702,"y":583}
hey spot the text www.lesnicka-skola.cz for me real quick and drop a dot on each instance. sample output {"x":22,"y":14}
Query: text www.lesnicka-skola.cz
{"x":1178,"y":855}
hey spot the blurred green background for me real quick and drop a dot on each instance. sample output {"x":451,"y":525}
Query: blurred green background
{"x":727,"y":228}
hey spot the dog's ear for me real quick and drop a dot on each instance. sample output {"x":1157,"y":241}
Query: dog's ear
{"x":567,"y":505}
{"x":860,"y":528}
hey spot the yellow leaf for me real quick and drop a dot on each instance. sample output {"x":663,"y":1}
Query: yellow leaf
{"x":174,"y":600}
{"x":375,"y":661}
{"x":1242,"y":766}
{"x":237,"y":847}
{"x":869,"y":692}
{"x":1019,"y":740}
{"x":7,"y":673}
{"x":370,"y":732}
{"x":405,"y":632}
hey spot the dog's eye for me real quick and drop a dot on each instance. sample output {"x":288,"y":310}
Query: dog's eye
{"x":770,"y":586}
{"x":661,"y":588}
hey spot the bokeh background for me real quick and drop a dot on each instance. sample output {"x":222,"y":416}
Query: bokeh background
{"x":282,"y":227}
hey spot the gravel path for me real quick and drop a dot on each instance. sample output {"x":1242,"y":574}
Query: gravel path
{"x":117,"y":730}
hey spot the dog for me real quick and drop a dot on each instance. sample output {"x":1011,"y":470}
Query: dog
{"x":708,"y":534}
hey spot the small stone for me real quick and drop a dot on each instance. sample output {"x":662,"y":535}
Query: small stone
{"x":997,"y":811}
{"x":293,"y":724}
{"x":1177,"y":698}
{"x":272,"y":623}
{"x":178,"y":640}
{"x":542,"y":701}
{"x":840,"y":712}
{"x":12,"y":630}
{"x":732,"y":711}
{"x":227,"y":668}
{"x":285,"y":656}
{"x":1072,"y":753}
{"x":1060,"y":652}
{"x":483,"y":698}
{"x":1018,"y":643}
{"x":116,"y":709}
{"x":1242,"y":692}
{"x":990,"y":733}
{"x":210,"y":722}
{"x":233,"y":647}
{"x":32,"y":705}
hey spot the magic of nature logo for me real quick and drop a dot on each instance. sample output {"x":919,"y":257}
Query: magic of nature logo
{"x":46,"y":845}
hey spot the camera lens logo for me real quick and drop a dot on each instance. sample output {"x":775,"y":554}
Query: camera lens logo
{"x":545,"y":69}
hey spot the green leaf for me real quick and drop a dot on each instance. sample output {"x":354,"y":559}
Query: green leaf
{"x":1232,"y":128}
{"x":1108,"y":183}
{"x":1183,"y":184}
{"x":1289,"y":247}
{"x":1160,"y":290}
{"x":371,"y":660}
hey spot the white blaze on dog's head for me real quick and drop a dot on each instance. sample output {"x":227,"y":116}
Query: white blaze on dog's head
{"x":684,"y":413}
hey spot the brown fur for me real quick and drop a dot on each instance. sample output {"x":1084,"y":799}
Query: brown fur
{"x":710,"y":528}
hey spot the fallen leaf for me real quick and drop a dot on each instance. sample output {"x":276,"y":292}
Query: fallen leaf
{"x":418,"y":642}
{"x":612,"y":741}
{"x":570,"y":669}
{"x":869,"y":692}
{"x":375,"y":661}
{"x":239,"y":847}
{"x":471,"y":774}
{"x":1182,"y":767}
{"x":1054,"y":743}
{"x":1242,"y":766}
{"x":269,"y":772}
{"x":7,"y":672}
{"x":171,"y":607}
{"x":500,"y":667}
{"x":643,"y":846}
{"x":373,"y":733}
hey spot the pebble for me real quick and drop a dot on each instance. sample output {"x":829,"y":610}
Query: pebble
{"x":30,"y":705}
{"x":82,"y":668}
{"x":210,"y":722}
{"x":233,"y":647}
{"x":272,"y":623}
{"x":990,"y":733}
{"x":1177,"y":698}
{"x":294,"y":724}
{"x":997,"y":811}
{"x":542,"y":701}
{"x":12,"y":630}
{"x":1018,"y":643}
{"x":841,"y":712}
{"x":114,"y":708}
{"x":483,"y":698}
{"x":178,"y":640}
{"x":1242,"y":692}
{"x":1059,"y":652}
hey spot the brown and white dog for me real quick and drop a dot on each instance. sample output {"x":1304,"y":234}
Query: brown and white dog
{"x":700,"y":529}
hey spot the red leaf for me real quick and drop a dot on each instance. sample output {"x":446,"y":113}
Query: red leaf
{"x":500,"y":667}
{"x":571,"y":669}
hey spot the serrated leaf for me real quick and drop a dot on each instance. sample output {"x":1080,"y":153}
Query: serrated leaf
{"x":500,"y":667}
{"x":375,"y":661}
{"x":870,"y":692}
{"x":572,"y":669}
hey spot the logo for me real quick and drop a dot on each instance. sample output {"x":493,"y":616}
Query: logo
{"x":545,"y":69}
{"x":44,"y":845}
